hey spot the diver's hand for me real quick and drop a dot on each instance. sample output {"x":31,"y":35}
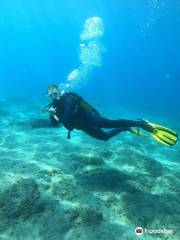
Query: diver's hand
{"x":46,"y":108}
{"x":52,"y":110}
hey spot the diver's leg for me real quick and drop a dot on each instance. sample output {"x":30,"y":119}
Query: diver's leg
{"x":99,"y":134}
{"x":102,"y":122}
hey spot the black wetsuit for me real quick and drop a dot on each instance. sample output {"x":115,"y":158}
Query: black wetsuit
{"x":75,"y":113}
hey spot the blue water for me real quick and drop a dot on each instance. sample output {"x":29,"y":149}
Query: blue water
{"x":139,"y":77}
{"x":40,"y":40}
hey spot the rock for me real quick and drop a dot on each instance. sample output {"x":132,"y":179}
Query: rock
{"x":90,"y":216}
{"x":22,"y":199}
{"x":103,"y":179}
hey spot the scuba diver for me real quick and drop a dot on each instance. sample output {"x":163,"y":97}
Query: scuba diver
{"x":73,"y":112}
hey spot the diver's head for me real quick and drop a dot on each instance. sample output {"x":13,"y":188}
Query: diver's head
{"x":53,"y":91}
